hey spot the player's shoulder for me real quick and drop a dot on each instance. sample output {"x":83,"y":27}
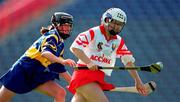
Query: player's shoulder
{"x":91,"y":32}
{"x":52,"y":34}
{"x":119,"y":37}
{"x":53,"y":31}
{"x":92,"y":28}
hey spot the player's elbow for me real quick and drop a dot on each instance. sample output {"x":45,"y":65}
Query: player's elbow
{"x":74,"y":50}
{"x":45,"y":54}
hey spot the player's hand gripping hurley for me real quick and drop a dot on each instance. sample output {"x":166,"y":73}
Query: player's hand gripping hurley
{"x":150,"y":87}
{"x":153,"y":68}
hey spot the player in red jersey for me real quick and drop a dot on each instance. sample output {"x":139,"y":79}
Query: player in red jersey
{"x":100,"y":46}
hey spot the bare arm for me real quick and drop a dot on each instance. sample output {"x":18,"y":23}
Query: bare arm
{"x":51,"y":57}
{"x":83,"y":57}
{"x":133,"y":73}
{"x":138,"y":82}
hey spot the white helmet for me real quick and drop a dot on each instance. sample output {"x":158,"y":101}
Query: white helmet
{"x":114,"y":14}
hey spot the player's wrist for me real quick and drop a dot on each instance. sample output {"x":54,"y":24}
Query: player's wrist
{"x":90,"y":64}
{"x":137,"y":80}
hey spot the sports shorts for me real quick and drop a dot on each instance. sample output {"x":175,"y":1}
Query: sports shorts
{"x":27,"y":74}
{"x":83,"y":77}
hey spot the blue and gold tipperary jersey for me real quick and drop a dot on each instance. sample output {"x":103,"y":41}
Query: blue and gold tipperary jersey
{"x":50,"y":41}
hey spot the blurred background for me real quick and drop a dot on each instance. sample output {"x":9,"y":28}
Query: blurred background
{"x":151,"y":33}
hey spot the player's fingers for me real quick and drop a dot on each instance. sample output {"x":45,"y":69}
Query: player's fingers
{"x":142,"y":91}
{"x":91,"y":68}
{"x":94,"y":68}
{"x":71,"y":63}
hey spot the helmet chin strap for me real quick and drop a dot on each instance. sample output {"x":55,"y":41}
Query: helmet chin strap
{"x":64,"y":36}
{"x":112,"y":32}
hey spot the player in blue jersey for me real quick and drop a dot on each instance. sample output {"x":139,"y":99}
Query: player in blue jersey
{"x":42,"y":63}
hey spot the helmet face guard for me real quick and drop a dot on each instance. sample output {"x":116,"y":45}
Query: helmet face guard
{"x":114,"y":14}
{"x":60,"y":18}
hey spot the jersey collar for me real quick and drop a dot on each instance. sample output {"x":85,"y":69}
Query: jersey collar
{"x":103,"y":31}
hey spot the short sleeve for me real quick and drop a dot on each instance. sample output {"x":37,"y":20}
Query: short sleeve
{"x":122,"y":49}
{"x":123,"y":53}
{"x":83,"y":40}
{"x":50,"y":43}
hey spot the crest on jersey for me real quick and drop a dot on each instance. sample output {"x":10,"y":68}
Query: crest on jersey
{"x":113,"y":47}
{"x":99,"y":46}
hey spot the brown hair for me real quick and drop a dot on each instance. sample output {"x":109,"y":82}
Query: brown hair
{"x":43,"y":30}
